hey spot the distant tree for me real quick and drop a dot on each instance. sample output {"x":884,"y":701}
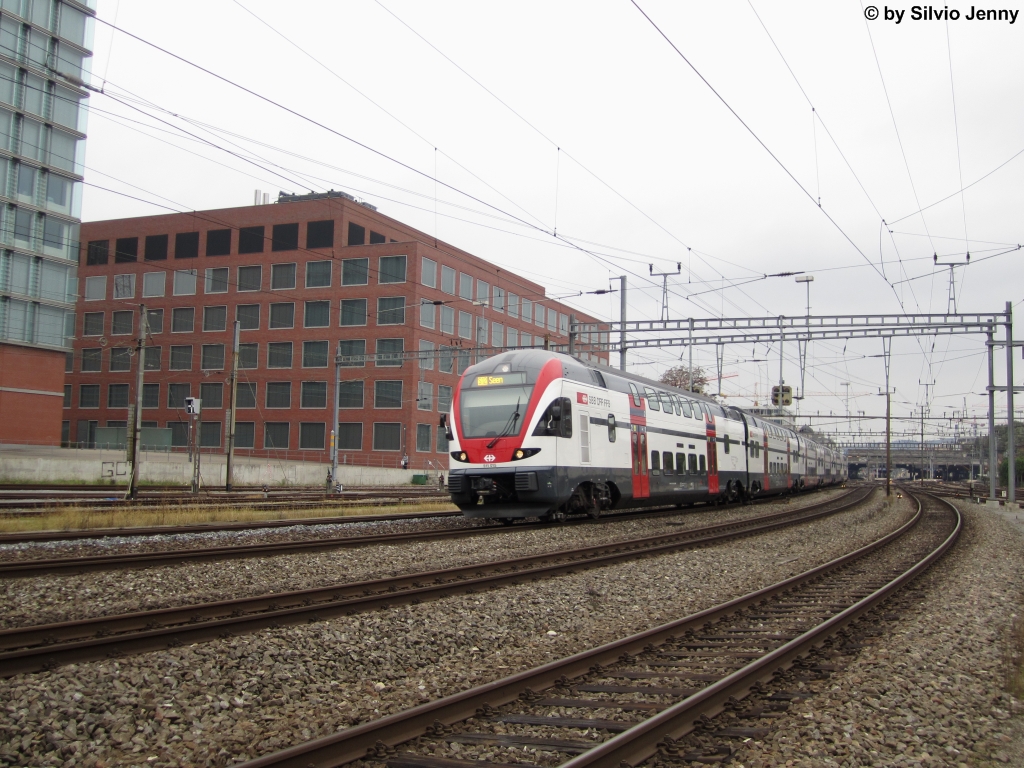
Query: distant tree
{"x":1018,"y":474}
{"x":680,"y":377}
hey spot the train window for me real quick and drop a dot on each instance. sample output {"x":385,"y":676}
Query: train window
{"x":611,"y":427}
{"x":636,"y":394}
{"x":655,"y":463}
{"x":666,"y":459}
{"x":686,"y":408}
{"x":703,"y":465}
{"x":726,"y":441}
{"x":693,"y":463}
{"x":652,"y":399}
{"x":666,"y":403}
{"x":681,"y":463}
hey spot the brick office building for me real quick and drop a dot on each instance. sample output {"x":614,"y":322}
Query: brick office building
{"x":301,"y":276}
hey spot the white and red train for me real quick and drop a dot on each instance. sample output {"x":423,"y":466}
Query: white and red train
{"x":539,"y":434}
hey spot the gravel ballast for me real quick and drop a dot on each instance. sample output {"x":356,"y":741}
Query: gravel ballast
{"x":211,"y":703}
{"x":47,"y":599}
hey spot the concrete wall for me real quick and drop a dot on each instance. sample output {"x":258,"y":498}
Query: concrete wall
{"x":97,"y":466}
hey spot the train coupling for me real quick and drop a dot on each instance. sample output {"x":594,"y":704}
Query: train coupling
{"x":482,"y":486}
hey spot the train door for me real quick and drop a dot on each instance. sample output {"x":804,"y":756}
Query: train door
{"x":638,"y":446}
{"x":767,"y":474}
{"x":711,"y":429}
{"x":789,"y":467}
{"x":584,"y":437}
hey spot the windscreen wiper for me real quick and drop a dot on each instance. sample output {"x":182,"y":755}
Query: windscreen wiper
{"x":509,"y":427}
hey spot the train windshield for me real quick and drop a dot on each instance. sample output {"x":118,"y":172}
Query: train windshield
{"x":491,"y":411}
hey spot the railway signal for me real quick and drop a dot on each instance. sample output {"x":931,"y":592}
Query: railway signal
{"x":782,"y":395}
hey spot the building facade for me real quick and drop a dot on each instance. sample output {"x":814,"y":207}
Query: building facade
{"x":44,"y":54}
{"x":307,"y":278}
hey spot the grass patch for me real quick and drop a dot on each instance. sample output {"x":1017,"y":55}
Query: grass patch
{"x":74,"y":518}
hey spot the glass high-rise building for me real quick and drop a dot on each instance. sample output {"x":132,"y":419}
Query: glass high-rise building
{"x":45,"y":48}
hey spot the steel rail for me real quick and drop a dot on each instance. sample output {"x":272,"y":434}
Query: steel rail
{"x":375,"y":739}
{"x":88,"y":563}
{"x":28,"y":649}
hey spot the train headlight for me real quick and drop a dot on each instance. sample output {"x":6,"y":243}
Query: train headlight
{"x":524,"y":453}
{"x":462,"y":456}
{"x":459,"y":456}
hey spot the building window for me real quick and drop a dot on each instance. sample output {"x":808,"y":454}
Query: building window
{"x":282,"y":276}
{"x":215,"y":318}
{"x":152,"y":356}
{"x":465,"y":286}
{"x":279,"y":394}
{"x":444,"y":359}
{"x":376,"y":238}
{"x":527,"y":313}
{"x":181,"y":357}
{"x":312,"y":435}
{"x":155,"y":320}
{"x":391,"y":310}
{"x":428,"y":317}
{"x":442,"y":440}
{"x":392,"y":349}
{"x":285,"y":237}
{"x":355,"y":271}
{"x":387,"y":437}
{"x":183,"y":319}
{"x":218,"y":242}
{"x":552,"y":320}
{"x":313,"y":394}
{"x":275,"y":434}
{"x":124,"y":286}
{"x":350,"y":436}
{"x":426,"y":355}
{"x":117,"y":396}
{"x":250,"y":278}
{"x":250,"y":240}
{"x":539,"y":315}
{"x":448,"y":321}
{"x":497,"y":335}
{"x":392,"y":269}
{"x":120,"y":359}
{"x":353,"y":312}
{"x":179,"y":433}
{"x":350,"y":394}
{"x":92,"y":360}
{"x":153,"y":284}
{"x":245,"y":434}
{"x":212,"y":357}
{"x":89,"y":396}
{"x":354,"y":349}
{"x":526,"y":340}
{"x":499,"y":299}
{"x":156,"y":247}
{"x":318,"y":274}
{"x":248,"y":316}
{"x":98,"y":252}
{"x":248,"y":356}
{"x":186,"y":245}
{"x":512,"y":337}
{"x":279,"y":354}
{"x":245,"y":394}
{"x":513,"y":305}
{"x":96,"y":288}
{"x":184,"y":282}
{"x":217,"y":280}
{"x":150,"y":395}
{"x":176,"y":394}
{"x":320,"y":234}
{"x":356,"y":234}
{"x":212,"y":395}
{"x":387,"y":394}
{"x":425,"y":396}
{"x":282,"y":315}
{"x":67,"y":395}
{"x":444,"y":398}
{"x":447,"y":280}
{"x":126,"y":250}
{"x":563,"y":324}
{"x":483,"y":292}
{"x":428,"y":272}
{"x":314,"y":354}
{"x":69,"y":362}
{"x":465,"y":325}
{"x":423,"y":438}
{"x":92,"y":323}
{"x":209,"y":434}
{"x":318,"y":314}
{"x":481,"y":331}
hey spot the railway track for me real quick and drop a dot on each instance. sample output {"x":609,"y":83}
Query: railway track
{"x":30,"y":649}
{"x":656,"y":692}
{"x":91,"y":563}
{"x":40,"y":503}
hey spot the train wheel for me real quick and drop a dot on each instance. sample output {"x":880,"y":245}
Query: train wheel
{"x":507,"y":520}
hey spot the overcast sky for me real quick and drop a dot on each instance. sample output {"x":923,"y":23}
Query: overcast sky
{"x":581,"y":116}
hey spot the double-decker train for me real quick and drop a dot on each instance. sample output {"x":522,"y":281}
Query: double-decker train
{"x":534,"y":433}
